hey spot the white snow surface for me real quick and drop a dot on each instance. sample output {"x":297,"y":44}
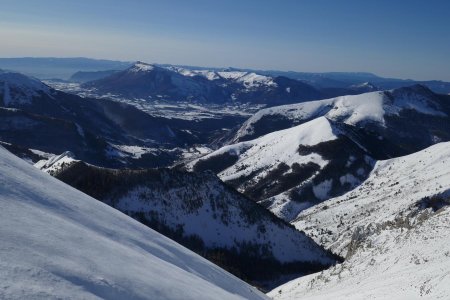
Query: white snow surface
{"x":352,"y":110}
{"x":58,"y":243}
{"x":141,"y":67}
{"x":55,"y":163}
{"x":393,"y":248}
{"x":134,"y":151}
{"x":248,"y":79}
{"x":267,"y":152}
{"x":210,"y":75}
{"x":218,"y":219}
{"x":392,"y":187}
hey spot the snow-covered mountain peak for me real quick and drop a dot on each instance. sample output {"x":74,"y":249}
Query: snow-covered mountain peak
{"x":210,"y":75}
{"x":141,"y":67}
{"x":367,"y":86}
{"x":248,"y":79}
{"x":264,"y":153}
{"x":418,"y":98}
{"x":16,"y":88}
{"x":372,"y":107}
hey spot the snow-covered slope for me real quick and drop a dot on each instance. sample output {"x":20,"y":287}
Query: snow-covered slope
{"x":394,"y":186}
{"x":374,"y":108}
{"x":393,"y":230}
{"x":57,"y":242}
{"x":200,"y":212}
{"x":292,"y":169}
{"x":263,"y":154}
{"x":286,"y":173}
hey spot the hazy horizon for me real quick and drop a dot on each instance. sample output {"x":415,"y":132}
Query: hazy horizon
{"x":212,"y":67}
{"x":405,"y":39}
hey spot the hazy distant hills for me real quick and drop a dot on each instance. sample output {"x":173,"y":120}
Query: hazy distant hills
{"x":59,"y":68}
{"x":85,"y":76}
{"x":64,"y":68}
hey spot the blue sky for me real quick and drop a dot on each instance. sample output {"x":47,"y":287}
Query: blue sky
{"x":397,"y":38}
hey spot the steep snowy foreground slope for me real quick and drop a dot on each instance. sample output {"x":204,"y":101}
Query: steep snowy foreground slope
{"x":393,"y":231}
{"x":200,"y":212}
{"x":58,"y":243}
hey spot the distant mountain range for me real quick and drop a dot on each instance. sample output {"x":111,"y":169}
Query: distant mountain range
{"x":152,"y":82}
{"x":59,"y":68}
{"x":38,"y":117}
{"x":331,"y":82}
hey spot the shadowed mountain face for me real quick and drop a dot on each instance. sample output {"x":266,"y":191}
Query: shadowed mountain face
{"x":152,"y":82}
{"x":203,"y":214}
{"x":36,"y":116}
{"x":329,"y":146}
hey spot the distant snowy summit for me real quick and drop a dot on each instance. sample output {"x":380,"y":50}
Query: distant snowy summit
{"x":154,"y":82}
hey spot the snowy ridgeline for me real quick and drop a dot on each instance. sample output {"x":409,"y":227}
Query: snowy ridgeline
{"x":59,"y":243}
{"x":393,"y":230}
{"x":264,"y":153}
{"x":295,"y":163}
{"x":294,"y":156}
{"x":352,"y":110}
{"x":248,"y":79}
